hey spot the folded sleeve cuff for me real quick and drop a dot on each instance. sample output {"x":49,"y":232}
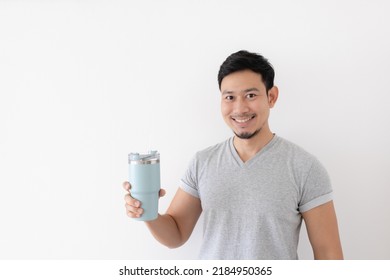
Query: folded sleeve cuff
{"x":316,"y":202}
{"x":189,"y":189}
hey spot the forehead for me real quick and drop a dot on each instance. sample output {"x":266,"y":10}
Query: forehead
{"x":240,"y":80}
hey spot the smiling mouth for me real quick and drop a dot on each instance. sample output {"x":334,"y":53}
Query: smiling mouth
{"x":243,"y":120}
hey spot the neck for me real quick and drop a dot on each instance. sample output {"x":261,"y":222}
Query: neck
{"x":247,"y":148}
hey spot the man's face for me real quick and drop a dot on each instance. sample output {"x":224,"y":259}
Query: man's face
{"x":245,"y":105}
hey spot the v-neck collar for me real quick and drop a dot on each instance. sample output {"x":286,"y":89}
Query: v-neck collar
{"x":253,"y":159}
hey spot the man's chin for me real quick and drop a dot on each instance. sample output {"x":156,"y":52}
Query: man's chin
{"x":246,"y":135}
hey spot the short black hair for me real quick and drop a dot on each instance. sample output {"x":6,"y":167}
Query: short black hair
{"x":244,"y":60}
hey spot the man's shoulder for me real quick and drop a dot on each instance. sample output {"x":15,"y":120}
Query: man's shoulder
{"x":213,"y":150}
{"x":299,"y":158}
{"x":294,"y":150}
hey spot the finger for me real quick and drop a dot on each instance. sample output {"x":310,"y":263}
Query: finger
{"x":126,"y":185}
{"x":132,"y":215}
{"x":134,"y":210}
{"x":162,"y":192}
{"x":131,"y":201}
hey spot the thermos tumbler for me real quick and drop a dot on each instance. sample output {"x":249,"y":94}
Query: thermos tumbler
{"x":144,"y":177}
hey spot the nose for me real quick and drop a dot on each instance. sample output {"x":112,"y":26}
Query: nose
{"x":240,"y":106}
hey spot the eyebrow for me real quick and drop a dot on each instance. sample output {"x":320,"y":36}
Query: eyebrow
{"x":244,"y":91}
{"x":251,"y":89}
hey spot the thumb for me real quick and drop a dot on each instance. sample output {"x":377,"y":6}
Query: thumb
{"x":126,"y":185}
{"x":162,"y":192}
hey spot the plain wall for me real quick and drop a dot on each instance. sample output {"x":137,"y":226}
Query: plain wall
{"x":83,"y":83}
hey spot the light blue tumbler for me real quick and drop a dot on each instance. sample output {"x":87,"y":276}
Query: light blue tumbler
{"x":144,"y":177}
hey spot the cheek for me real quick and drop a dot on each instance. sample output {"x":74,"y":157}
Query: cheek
{"x":263,"y":113}
{"x":260,"y":108}
{"x":224,"y":109}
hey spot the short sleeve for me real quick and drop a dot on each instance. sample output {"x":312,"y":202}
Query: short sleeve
{"x":189,"y":182}
{"x":317,"y":188}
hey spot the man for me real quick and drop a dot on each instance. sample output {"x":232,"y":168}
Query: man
{"x":255,"y":188}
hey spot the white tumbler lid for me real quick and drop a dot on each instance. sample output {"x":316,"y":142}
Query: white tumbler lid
{"x":152,"y":157}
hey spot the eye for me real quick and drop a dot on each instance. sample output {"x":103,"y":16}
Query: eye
{"x":251,"y":95}
{"x":229,"y":97}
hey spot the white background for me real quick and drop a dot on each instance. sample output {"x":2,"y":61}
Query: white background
{"x":83,"y":83}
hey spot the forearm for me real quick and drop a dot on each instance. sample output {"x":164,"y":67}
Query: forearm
{"x":165,"y":230}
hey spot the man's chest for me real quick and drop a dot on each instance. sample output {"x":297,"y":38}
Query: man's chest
{"x":259,"y":189}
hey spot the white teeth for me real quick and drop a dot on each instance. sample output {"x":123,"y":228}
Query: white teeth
{"x":243,"y":120}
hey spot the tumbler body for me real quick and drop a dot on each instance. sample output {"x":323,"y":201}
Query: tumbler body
{"x":144,"y":177}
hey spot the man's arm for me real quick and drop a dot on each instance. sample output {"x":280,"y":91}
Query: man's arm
{"x":175,"y":227}
{"x":322,"y":229}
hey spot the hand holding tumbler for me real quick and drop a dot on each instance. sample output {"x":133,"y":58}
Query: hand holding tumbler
{"x":144,"y":177}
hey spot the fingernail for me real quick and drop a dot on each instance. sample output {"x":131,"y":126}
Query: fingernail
{"x":137,"y":204}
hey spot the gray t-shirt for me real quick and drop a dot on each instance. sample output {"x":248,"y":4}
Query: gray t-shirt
{"x":252,"y":210}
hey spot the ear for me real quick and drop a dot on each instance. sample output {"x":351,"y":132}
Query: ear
{"x":273,"y":94}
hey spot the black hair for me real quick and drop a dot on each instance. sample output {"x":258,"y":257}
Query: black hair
{"x":244,"y":60}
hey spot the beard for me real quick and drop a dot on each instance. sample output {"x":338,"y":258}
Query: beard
{"x":247,"y":135}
